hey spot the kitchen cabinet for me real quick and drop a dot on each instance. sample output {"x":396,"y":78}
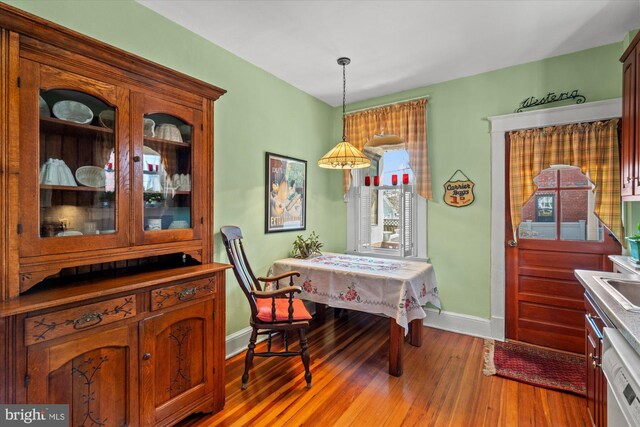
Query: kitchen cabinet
{"x":109,"y":297}
{"x":148,"y":351}
{"x":595,"y":321}
{"x":630,"y":143}
{"x":93,"y":374}
{"x":176,"y":353}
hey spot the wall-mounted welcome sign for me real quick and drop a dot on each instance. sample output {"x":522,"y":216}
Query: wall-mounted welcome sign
{"x":459,"y":192}
{"x":550,"y":97}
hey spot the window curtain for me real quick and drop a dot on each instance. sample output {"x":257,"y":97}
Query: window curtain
{"x":408,"y":120}
{"x":593,"y":147}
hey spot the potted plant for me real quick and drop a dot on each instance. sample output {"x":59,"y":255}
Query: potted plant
{"x":634,"y":241}
{"x":304,"y":248}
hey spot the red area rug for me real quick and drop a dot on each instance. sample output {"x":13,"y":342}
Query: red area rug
{"x":537,"y":366}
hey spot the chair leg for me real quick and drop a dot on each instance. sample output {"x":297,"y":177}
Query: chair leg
{"x":305,"y":356}
{"x":249,"y":358}
{"x":269,"y":342}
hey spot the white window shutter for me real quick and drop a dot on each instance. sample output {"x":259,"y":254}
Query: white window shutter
{"x":408,"y":220}
{"x":364,"y":219}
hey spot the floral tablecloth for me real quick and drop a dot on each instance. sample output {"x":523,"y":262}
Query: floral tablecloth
{"x":395,"y":288}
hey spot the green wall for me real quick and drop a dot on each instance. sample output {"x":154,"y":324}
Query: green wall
{"x":259,"y":113}
{"x":459,"y":239}
{"x":262,"y":113}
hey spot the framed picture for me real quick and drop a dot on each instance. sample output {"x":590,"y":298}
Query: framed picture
{"x":286,"y":194}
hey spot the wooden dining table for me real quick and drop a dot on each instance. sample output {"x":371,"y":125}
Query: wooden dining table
{"x":397,"y":289}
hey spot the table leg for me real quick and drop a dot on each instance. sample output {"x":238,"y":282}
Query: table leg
{"x":396,"y":347}
{"x":415,"y":332}
{"x":321,"y":310}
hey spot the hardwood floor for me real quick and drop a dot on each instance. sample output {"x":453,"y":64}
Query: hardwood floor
{"x":442,"y":385}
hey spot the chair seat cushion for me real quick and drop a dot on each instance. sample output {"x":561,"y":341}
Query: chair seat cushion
{"x":282,"y":310}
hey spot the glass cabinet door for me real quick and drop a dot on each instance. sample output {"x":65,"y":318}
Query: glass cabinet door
{"x":165,"y":164}
{"x":75,"y":166}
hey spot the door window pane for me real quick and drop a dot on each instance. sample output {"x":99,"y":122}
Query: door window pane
{"x":546,"y":179}
{"x":578,"y":221}
{"x":573,"y":177}
{"x":78,"y":165}
{"x":539,"y":217}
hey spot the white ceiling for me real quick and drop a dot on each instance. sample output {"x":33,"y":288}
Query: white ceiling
{"x":397,"y":45}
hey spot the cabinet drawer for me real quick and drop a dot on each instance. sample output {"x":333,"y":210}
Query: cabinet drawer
{"x":56,"y":324}
{"x":177,"y":294}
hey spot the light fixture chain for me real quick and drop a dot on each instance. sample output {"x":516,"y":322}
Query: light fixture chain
{"x":344,"y":99}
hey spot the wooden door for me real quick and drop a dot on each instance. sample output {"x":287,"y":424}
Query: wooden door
{"x":73,"y":156}
{"x":177,"y":362}
{"x":96,"y":376}
{"x":629,"y":164}
{"x":169,"y":175}
{"x":544,"y":300}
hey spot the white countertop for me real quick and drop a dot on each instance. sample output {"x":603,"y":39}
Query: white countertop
{"x":627,"y":322}
{"x":625,"y":263}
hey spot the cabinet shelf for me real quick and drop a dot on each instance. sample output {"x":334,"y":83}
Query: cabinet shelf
{"x":159,"y":141}
{"x":70,"y":188}
{"x":57,"y":126}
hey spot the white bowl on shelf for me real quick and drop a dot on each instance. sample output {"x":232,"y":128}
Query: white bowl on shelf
{"x":72,"y":111}
{"x":148,"y":129}
{"x":56,"y":172}
{"x":91,"y":176}
{"x":107,"y":119}
{"x":169,"y":132}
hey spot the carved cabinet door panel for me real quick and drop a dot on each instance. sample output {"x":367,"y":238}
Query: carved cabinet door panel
{"x":177,"y":369}
{"x":95,"y":376}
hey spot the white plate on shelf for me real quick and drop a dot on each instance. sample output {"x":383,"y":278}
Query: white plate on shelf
{"x":106,"y":231}
{"x":69,"y":233}
{"x":72,"y":111}
{"x":44,"y":108}
{"x":179,"y":224}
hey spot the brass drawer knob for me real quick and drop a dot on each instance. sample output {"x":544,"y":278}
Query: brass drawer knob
{"x":146,"y":356}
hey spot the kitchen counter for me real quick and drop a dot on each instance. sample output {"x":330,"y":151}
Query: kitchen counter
{"x":625,"y":264}
{"x":627,"y":322}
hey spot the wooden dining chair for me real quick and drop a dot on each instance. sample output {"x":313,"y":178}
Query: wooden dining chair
{"x":272,"y":311}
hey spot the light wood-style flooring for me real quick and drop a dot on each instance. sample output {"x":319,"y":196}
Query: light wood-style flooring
{"x":442,"y":385}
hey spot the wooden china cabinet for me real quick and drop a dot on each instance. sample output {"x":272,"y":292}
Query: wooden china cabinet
{"x":630,"y":141}
{"x":110,"y":301}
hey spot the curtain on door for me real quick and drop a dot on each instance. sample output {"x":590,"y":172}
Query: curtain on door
{"x":593,"y":147}
{"x":408,"y":120}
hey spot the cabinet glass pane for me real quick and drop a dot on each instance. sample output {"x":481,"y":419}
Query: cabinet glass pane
{"x":78,"y":165}
{"x":167,"y":172}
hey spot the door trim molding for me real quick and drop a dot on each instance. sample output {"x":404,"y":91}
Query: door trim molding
{"x":499,"y":125}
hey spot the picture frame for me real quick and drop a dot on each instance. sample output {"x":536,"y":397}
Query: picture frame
{"x":285,"y":193}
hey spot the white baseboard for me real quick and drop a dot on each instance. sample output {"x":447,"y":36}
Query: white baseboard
{"x":463,"y":324}
{"x":238,"y":341}
{"x":448,"y":321}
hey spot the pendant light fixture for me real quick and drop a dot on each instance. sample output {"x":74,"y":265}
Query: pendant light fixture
{"x":344,"y":155}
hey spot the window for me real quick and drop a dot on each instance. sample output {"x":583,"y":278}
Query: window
{"x":563,"y":206}
{"x":387,"y":220}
